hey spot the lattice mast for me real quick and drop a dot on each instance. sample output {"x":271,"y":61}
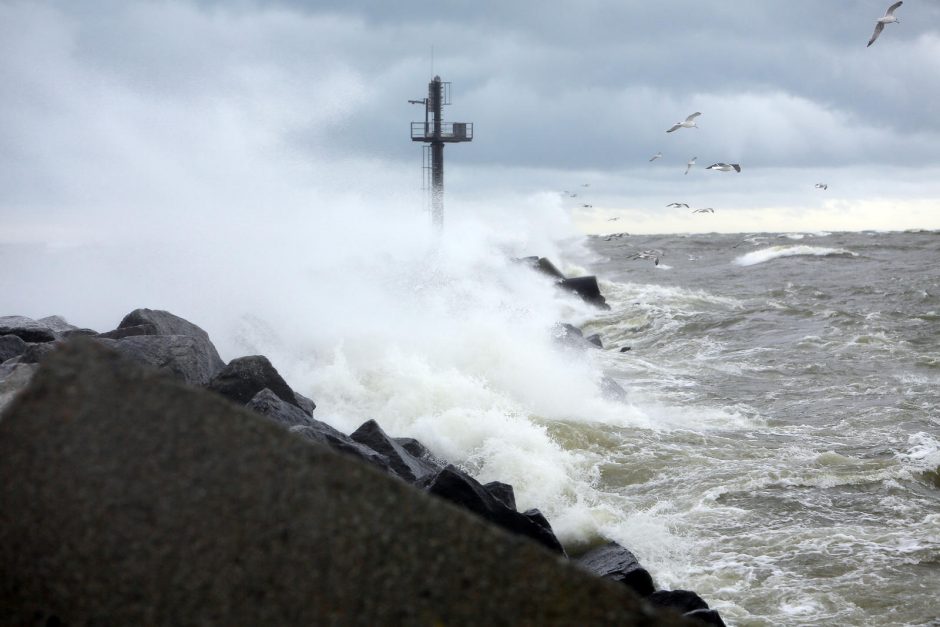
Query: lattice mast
{"x":435,"y":133}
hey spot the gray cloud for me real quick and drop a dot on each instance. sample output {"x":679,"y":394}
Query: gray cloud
{"x":227,"y":104}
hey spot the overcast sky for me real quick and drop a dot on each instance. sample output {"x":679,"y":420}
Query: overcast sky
{"x":131,"y":112}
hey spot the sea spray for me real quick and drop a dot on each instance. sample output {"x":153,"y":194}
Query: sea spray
{"x":776,"y":252}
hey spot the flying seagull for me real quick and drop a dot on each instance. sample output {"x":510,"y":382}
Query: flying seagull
{"x":677,"y":205}
{"x":688,"y":166}
{"x":821,"y":186}
{"x":724,"y":167}
{"x":588,"y":206}
{"x":612,"y":219}
{"x":688,"y":123}
{"x":887,"y":19}
{"x":705,"y":210}
{"x":656,"y":156}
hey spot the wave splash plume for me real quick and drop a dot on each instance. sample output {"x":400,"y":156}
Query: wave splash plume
{"x":775,"y":252}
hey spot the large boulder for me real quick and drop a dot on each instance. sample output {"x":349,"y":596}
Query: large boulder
{"x":14,"y":376}
{"x":587,"y":288}
{"x":569,"y":336}
{"x":11,"y":346}
{"x":244,"y":377}
{"x":270,"y":405}
{"x":683,"y":601}
{"x":26,"y":329}
{"x":708,"y":617}
{"x":129,"y":498}
{"x":614,"y":562}
{"x":181,"y":355}
{"x":420,"y":451}
{"x":461,"y":489}
{"x":62,"y":328}
{"x":139,"y":329}
{"x":401,"y":463}
{"x":36,"y":351}
{"x":543,"y":265}
{"x":323,"y":434}
{"x":688,"y":604}
{"x":502,"y":492}
{"x":164,"y":323}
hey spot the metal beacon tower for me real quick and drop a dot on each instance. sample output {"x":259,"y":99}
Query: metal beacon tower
{"x":434,"y":133}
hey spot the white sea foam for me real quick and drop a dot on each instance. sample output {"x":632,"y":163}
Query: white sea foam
{"x":776,"y":252}
{"x":923,"y":453}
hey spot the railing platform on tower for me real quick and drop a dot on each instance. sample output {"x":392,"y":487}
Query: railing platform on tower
{"x":451,"y":132}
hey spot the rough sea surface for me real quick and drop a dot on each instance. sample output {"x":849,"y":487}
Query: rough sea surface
{"x":797,"y":481}
{"x":779,"y":447}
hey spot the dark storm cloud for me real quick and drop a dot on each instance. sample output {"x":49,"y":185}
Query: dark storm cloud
{"x":595,"y":84}
{"x":550,"y":86}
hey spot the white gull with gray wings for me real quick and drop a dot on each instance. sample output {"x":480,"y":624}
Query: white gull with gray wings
{"x":887,"y":19}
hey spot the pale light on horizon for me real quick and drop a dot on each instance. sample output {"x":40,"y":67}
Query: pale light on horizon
{"x":834,"y":215}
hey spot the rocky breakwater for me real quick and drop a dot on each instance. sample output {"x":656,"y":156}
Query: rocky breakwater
{"x":145,"y":481}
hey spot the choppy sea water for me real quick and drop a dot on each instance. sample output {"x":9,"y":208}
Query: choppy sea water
{"x":798,"y":479}
{"x":779,"y":448}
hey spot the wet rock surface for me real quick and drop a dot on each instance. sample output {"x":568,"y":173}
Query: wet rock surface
{"x":139,"y":499}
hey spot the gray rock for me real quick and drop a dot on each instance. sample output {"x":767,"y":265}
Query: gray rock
{"x":612,"y":391}
{"x":181,"y":355}
{"x":420,"y":451}
{"x":456,"y":486}
{"x":570,"y":336}
{"x":26,"y":329}
{"x":587,"y":288}
{"x":502,"y":492}
{"x":36,"y":352}
{"x":62,"y":329}
{"x":14,"y":376}
{"x":324,"y":434}
{"x":56,"y":323}
{"x":244,"y":377}
{"x":77,"y":332}
{"x":683,"y":601}
{"x":305,"y":403}
{"x":130,"y":498}
{"x":140,"y":329}
{"x":273,"y":407}
{"x":548,"y":268}
{"x":542,"y":265}
{"x":165,"y":323}
{"x":596,"y":340}
{"x":11,"y":346}
{"x":401,"y":462}
{"x":708,"y":617}
{"x":614,"y":562}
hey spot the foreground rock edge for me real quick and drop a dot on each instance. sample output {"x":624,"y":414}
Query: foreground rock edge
{"x":129,"y":497}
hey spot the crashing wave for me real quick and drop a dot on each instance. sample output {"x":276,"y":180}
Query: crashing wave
{"x":775,"y":252}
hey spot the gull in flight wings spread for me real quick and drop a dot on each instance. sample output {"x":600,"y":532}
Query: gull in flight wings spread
{"x":689,"y":122}
{"x":887,"y":19}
